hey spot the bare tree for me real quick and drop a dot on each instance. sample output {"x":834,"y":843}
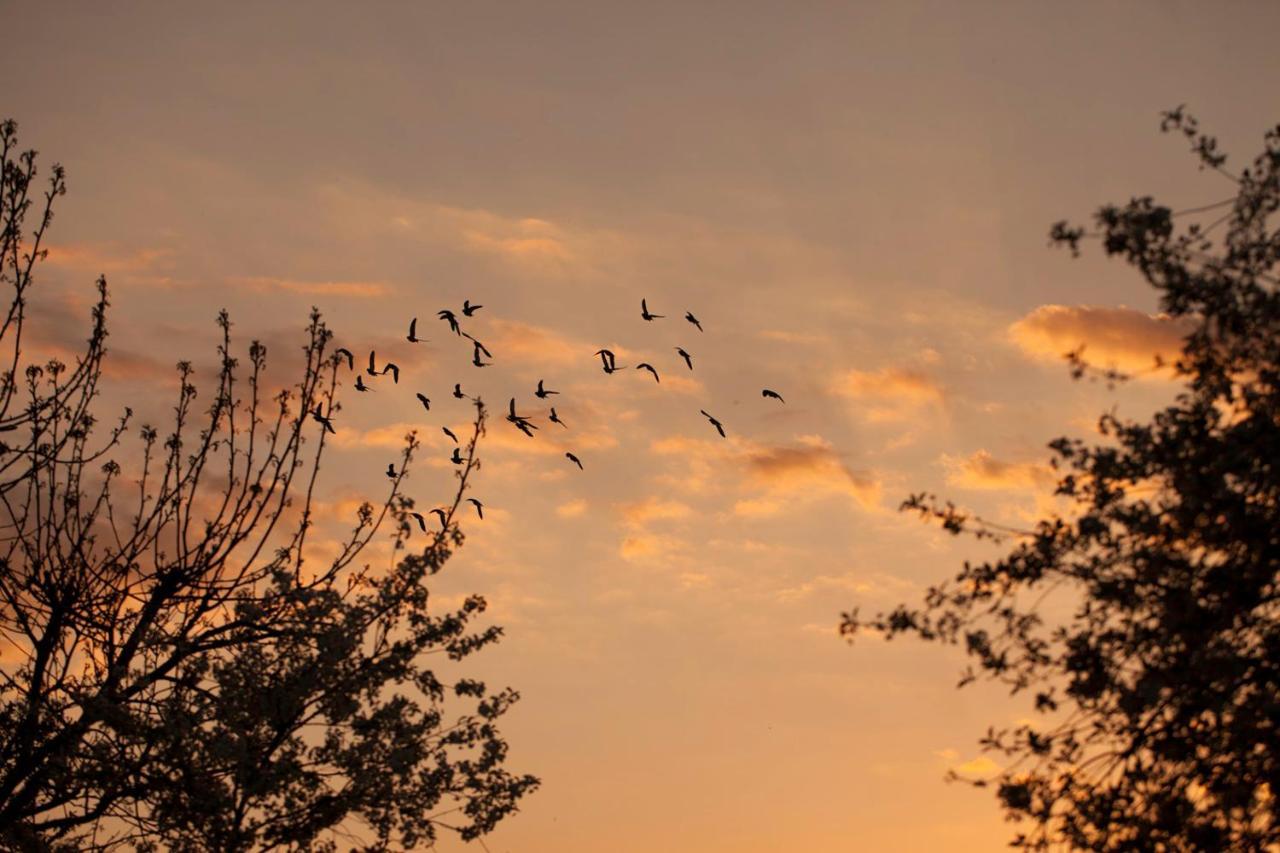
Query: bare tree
{"x":176,"y":673}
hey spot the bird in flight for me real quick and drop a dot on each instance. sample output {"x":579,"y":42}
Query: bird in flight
{"x":644,"y":365}
{"x":479,"y":345}
{"x":456,"y":459}
{"x":522,"y":423}
{"x":475,"y":357}
{"x":555,"y":419}
{"x":449,"y":317}
{"x":688,"y":315}
{"x":394,"y":370}
{"x":351,"y":359}
{"x":607,"y":357}
{"x":468,"y":309}
{"x":543,"y":393}
{"x":322,"y":420}
{"x":360,"y":386}
{"x":457,"y":391}
{"x":426,"y":402}
{"x":688,"y":359}
{"x":774,"y":394}
{"x":391,"y":470}
{"x":444,"y":519}
{"x":575,"y":460}
{"x":413,"y":333}
{"x":371,"y":369}
{"x":715,"y":423}
{"x":449,"y":433}
{"x":479,"y":506}
{"x":644,"y":312}
{"x":422,"y":521}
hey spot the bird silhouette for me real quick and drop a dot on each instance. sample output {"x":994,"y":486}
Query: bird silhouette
{"x":475,"y":357}
{"x":715,"y":423}
{"x":457,"y":391}
{"x":774,"y":394}
{"x":391,"y":470}
{"x":449,"y":433}
{"x":644,"y":312}
{"x":452,"y":319}
{"x":351,"y":359}
{"x":322,"y":420}
{"x":360,"y":386}
{"x":688,"y":359}
{"x":394,"y":370}
{"x":522,"y":423}
{"x":609,"y":360}
{"x":688,"y":315}
{"x":555,"y":419}
{"x":644,"y":365}
{"x":543,"y":393}
{"x":422,"y":521}
{"x":444,"y":519}
{"x":456,"y":459}
{"x":468,"y":309}
{"x":413,"y":333}
{"x":371,"y":370}
{"x":575,"y":460}
{"x":479,"y":506}
{"x":478,"y":345}
{"x":426,"y":402}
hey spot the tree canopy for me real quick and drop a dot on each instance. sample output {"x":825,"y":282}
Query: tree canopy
{"x":1159,"y":694}
{"x":180,"y":667}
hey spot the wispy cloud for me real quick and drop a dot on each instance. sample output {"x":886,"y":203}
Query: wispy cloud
{"x":357,"y":289}
{"x":891,"y":393}
{"x":981,"y":470}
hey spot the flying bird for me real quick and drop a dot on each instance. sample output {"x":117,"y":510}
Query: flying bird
{"x":715,"y":423}
{"x":413,"y":332}
{"x":644,"y":365}
{"x":475,"y":357}
{"x":394,"y":370}
{"x":644,"y":312}
{"x":478,"y":345}
{"x":479,"y":506}
{"x":444,"y":519}
{"x":774,"y":394}
{"x":555,"y":419}
{"x":543,"y":393}
{"x":449,"y":317}
{"x":391,"y":470}
{"x":351,"y":359}
{"x":322,"y":420}
{"x":575,"y":460}
{"x":522,"y":423}
{"x":608,"y":359}
{"x":371,"y":370}
{"x":457,"y":391}
{"x":360,"y":386}
{"x":688,"y":315}
{"x":426,"y":402}
{"x":688,"y":359}
{"x":449,"y":433}
{"x":468,"y":309}
{"x":456,"y":459}
{"x":422,"y":521}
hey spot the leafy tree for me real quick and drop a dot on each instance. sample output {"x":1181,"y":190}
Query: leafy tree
{"x":1160,"y":690}
{"x":174,"y":672}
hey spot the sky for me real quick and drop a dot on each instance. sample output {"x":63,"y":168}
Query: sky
{"x":854,"y":199}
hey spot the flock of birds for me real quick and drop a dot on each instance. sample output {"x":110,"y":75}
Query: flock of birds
{"x":524,"y":423}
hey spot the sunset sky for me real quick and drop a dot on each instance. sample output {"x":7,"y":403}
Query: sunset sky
{"x":854,"y":199}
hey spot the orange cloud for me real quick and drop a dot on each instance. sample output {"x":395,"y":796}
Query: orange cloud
{"x":572,"y":509}
{"x":890,"y":393}
{"x":100,"y":258}
{"x":983,"y":471}
{"x":812,"y":467}
{"x":654,"y":509}
{"x":536,"y":344}
{"x":1112,"y":337}
{"x":358,"y":289}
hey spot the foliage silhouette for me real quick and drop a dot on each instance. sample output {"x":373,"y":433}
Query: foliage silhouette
{"x":174,"y":672}
{"x":1160,"y":692}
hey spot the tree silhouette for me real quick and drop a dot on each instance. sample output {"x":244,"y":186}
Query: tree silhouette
{"x":175,"y":672}
{"x":1159,"y":693}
